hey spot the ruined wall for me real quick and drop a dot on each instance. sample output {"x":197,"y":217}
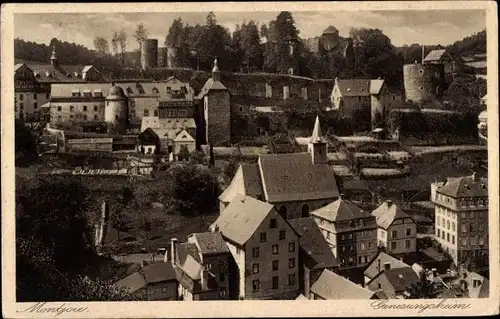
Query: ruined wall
{"x":423,"y":82}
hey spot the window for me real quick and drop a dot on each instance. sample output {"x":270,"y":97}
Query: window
{"x":208,"y":266}
{"x":282,"y":212}
{"x":95,"y":117}
{"x":394,"y":234}
{"x":291,"y":263}
{"x":255,"y":268}
{"x":349,"y":236}
{"x":462,"y":214}
{"x":146,"y":112}
{"x":85,"y":108}
{"x":241,"y":108}
{"x":305,"y":210}
{"x":362,"y":246}
{"x":291,"y":279}
{"x":448,"y":237}
{"x":272,"y":223}
{"x":59,"y":118}
{"x":255,"y":252}
{"x":34,"y":96}
{"x":408,"y":231}
{"x":85,"y":117}
{"x":35,"y":105}
{"x":447,"y":224}
{"x":393,"y":245}
{"x":351,"y":259}
{"x":481,"y":241}
{"x":21,"y":97}
{"x":452,"y":226}
{"x":116,"y":117}
{"x":71,"y":116}
{"x":453,"y":239}
{"x":439,"y":233}
{"x":275,"y":282}
{"x":276,"y":265}
{"x":255,"y":285}
{"x":464,"y":241}
{"x":47,"y":96}
{"x":156,"y":112}
{"x":275,"y":249}
{"x":263,"y":237}
{"x":464,"y":228}
{"x":327,"y":234}
{"x":291,"y":247}
{"x":282,"y":234}
{"x":360,"y":260}
{"x":473,"y":241}
{"x":71,"y":108}
{"x":471,"y":228}
{"x":95,"y":108}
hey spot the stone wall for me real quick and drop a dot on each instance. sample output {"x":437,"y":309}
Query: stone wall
{"x":218,"y":117}
{"x":423,"y":82}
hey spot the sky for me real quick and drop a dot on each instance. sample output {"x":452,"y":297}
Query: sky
{"x":401,"y":26}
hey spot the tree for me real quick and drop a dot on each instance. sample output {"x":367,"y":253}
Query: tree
{"x":25,"y":144}
{"x":140,"y":35}
{"x":115,"y":42}
{"x":122,"y":43}
{"x":423,"y":289}
{"x":250,"y":45}
{"x":177,"y":38}
{"x":212,"y":157}
{"x":194,"y":190}
{"x":211,"y":20}
{"x":101,"y":45}
{"x":279,"y":32}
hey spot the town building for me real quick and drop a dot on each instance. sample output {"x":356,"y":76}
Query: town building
{"x":395,"y":282}
{"x":157,"y":280}
{"x":477,"y":286}
{"x":265,"y":249}
{"x":351,"y":96}
{"x":32,"y":83}
{"x":331,"y":286}
{"x":172,"y":135}
{"x":441,"y":57}
{"x":295,"y":183}
{"x":315,"y":254}
{"x":380,"y":263}
{"x":461,"y":218}
{"x":397,"y":232}
{"x":350,"y":231}
{"x":202,"y":267}
{"x":216,"y":100}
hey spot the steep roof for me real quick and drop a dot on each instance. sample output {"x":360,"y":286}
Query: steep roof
{"x":387,"y":212}
{"x":177,"y":124}
{"x":187,"y":249}
{"x":47,"y":73}
{"x":468,"y":186}
{"x":293,"y":177}
{"x":211,"y":85}
{"x":372,"y":270}
{"x":340,"y":210}
{"x":210,"y":243}
{"x":400,"y":278}
{"x":242,"y":217}
{"x":317,"y":134}
{"x":132,"y":283}
{"x":331,"y":286}
{"x":252,"y":180}
{"x":436,"y":55}
{"x":184,"y":136}
{"x":360,"y":87}
{"x":159,"y":272}
{"x":313,"y":243}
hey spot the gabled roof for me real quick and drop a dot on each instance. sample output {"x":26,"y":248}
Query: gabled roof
{"x":184,"y":136}
{"x":340,"y":210}
{"x":293,"y":177}
{"x":210,"y":243}
{"x":467,"y":186}
{"x":387,"y":212}
{"x":187,"y":249}
{"x":313,"y":243}
{"x":132,"y":283}
{"x":252,"y":180}
{"x":331,"y":286}
{"x":176,"y":124}
{"x":241,"y":218}
{"x":376,"y":86}
{"x":211,"y":85}
{"x":436,"y":55}
{"x":159,"y":272}
{"x":400,"y":278}
{"x":482,"y":291}
{"x":382,"y":258}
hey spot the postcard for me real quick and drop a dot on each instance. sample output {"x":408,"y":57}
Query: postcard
{"x":240,"y":159}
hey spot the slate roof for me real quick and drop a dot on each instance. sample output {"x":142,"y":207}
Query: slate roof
{"x":211,"y":243}
{"x":187,"y":249}
{"x":317,"y":135}
{"x":313,"y":243}
{"x":400,"y":278}
{"x":159,"y":272}
{"x":132,"y":283}
{"x":465,"y":187}
{"x":340,"y":210}
{"x":47,"y":73}
{"x":360,"y":87}
{"x":252,"y":180}
{"x":387,"y":212}
{"x":211,"y":85}
{"x":372,"y":270}
{"x":332,"y":286}
{"x":241,"y":218}
{"x":293,"y":177}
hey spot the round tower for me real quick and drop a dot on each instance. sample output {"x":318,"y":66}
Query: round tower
{"x":149,"y":54}
{"x":423,"y":82}
{"x":116,"y":110}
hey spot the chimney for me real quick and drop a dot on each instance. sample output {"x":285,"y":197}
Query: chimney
{"x":173,"y":251}
{"x":474,"y":176}
{"x":389,"y":203}
{"x":434,"y":272}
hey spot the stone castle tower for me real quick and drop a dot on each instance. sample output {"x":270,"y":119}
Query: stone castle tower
{"x":318,"y":146}
{"x":216,"y":109}
{"x":424,"y":83}
{"x":116,"y":110}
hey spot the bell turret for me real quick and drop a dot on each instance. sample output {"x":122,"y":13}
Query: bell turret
{"x":216,"y":71}
{"x":318,"y":146}
{"x":53,"y":58}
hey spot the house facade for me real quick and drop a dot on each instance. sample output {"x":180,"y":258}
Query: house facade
{"x":350,"y":232}
{"x":331,"y":286}
{"x":461,"y":218}
{"x":395,"y":282}
{"x":380,"y":263}
{"x":441,"y":57}
{"x":265,"y":249}
{"x":397,"y":232}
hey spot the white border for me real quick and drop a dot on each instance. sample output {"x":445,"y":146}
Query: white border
{"x":237,"y":308}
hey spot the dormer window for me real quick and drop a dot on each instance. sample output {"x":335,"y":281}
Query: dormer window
{"x":48,"y":74}
{"x":169,"y":89}
{"x":75,"y":93}
{"x":77,"y":74}
{"x":129,"y":90}
{"x":98,"y":93}
{"x":155,"y":91}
